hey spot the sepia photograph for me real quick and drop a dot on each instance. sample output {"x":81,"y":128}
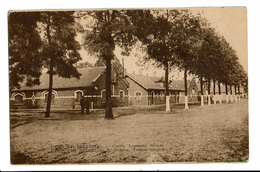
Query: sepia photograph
{"x":128,"y":86}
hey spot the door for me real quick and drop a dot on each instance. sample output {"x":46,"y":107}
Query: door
{"x":152,"y":96}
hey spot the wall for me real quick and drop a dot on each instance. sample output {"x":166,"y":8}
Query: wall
{"x":133,"y":88}
{"x":158,"y":99}
{"x":100,"y":84}
{"x":147,"y":95}
{"x":64,"y":99}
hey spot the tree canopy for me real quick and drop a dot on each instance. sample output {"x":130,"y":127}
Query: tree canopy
{"x":104,"y":30}
{"x":40,"y":40}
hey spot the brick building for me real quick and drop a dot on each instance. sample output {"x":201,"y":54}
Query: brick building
{"x":148,"y":90}
{"x":67,"y":93}
{"x":192,"y":89}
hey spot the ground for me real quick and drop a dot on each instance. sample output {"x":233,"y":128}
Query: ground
{"x":213,"y":133}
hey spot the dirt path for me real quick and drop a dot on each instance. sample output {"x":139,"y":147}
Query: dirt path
{"x":201,"y":134}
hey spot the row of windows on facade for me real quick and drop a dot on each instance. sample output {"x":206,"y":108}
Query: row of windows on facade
{"x":18,"y":98}
{"x":79,"y":94}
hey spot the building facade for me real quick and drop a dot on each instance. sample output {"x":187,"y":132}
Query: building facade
{"x":148,"y":90}
{"x":67,"y":93}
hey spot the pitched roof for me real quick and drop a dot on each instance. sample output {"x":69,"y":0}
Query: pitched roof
{"x":178,"y":85}
{"x":149,"y":82}
{"x":89,"y":75}
{"x":146,"y":82}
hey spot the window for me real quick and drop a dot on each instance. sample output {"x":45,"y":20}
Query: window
{"x":103,"y":96}
{"x":162,"y":95}
{"x":18,"y":99}
{"x":138,"y":96}
{"x":152,"y":94}
{"x":46,"y":97}
{"x":193,"y":91}
{"x":121,"y":96}
{"x":115,"y":76}
{"x":78,"y":95}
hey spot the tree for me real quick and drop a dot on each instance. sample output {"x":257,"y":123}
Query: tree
{"x":229,"y":63}
{"x":56,"y":50}
{"x":24,"y":48}
{"x":188,"y":31}
{"x":207,"y":63}
{"x":159,"y":41}
{"x":212,"y":52}
{"x":106,"y":29}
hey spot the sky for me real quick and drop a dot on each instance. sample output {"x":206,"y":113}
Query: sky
{"x":230,"y":22}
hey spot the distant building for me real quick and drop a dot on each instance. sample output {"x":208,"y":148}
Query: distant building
{"x":148,"y":90}
{"x":127,"y":89}
{"x":192,"y":89}
{"x":67,"y":93}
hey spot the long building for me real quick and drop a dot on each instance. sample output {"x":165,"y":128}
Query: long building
{"x":127,"y":89}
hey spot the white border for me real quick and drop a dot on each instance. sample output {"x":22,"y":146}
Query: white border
{"x":253,"y":33}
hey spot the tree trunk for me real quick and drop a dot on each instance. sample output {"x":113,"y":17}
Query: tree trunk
{"x":109,"y":112}
{"x":226,"y":92}
{"x":209,"y":86}
{"x":219,"y":93}
{"x":214,"y":91}
{"x":226,"y":89}
{"x":201,"y":92}
{"x":209,"y":91}
{"x":48,"y":108}
{"x":238,"y":87}
{"x":231,"y":98}
{"x":219,"y":89}
{"x":166,"y":65}
{"x":167,"y":87}
{"x":235,"y":92}
{"x":186,"y":90}
{"x":214,"y":87}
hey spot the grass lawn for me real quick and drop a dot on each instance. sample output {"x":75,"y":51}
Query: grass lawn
{"x":215,"y":133}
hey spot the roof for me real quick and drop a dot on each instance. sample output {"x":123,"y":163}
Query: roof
{"x":178,"y":84}
{"x":149,"y":82}
{"x":146,"y":82}
{"x":89,"y":75}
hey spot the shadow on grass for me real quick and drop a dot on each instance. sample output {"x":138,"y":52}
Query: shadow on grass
{"x":21,"y":117}
{"x":237,"y":141}
{"x":19,"y":158}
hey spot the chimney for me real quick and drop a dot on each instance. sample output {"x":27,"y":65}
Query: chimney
{"x":154,"y":73}
{"x":123,"y":66}
{"x":140,"y":71}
